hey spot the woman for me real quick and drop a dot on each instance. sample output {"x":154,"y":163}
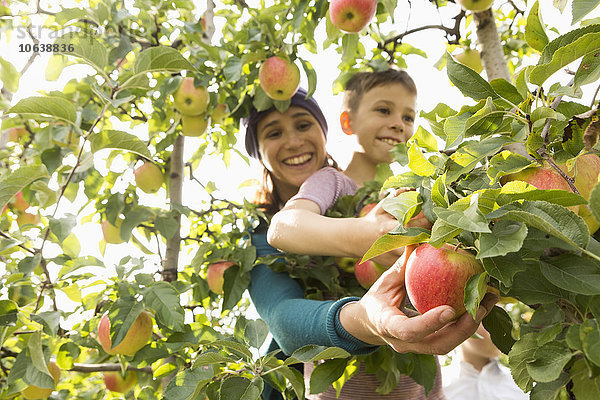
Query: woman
{"x":291,"y":147}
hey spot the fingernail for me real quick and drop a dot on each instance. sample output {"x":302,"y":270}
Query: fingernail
{"x":447,"y":316}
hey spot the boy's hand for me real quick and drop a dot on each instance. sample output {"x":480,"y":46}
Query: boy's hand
{"x":377,"y":319}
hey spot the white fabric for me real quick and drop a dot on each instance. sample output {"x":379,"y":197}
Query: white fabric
{"x":463,"y":382}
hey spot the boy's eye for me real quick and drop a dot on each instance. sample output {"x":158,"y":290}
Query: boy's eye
{"x":409,"y":118}
{"x":383,"y":110}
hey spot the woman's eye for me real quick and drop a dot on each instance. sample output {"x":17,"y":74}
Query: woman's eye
{"x":304,"y":126}
{"x":272,"y":134}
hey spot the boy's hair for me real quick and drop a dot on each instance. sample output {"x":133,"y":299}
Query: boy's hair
{"x":362,"y":82}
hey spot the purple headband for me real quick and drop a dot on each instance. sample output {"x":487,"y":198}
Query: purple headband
{"x":298,"y":99}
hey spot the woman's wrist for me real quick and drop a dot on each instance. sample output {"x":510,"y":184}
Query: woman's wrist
{"x":354,"y":320}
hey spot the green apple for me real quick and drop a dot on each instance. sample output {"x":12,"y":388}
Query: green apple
{"x":436,"y":277}
{"x":115,"y":382}
{"x":279,"y":78}
{"x":137,"y":336}
{"x":193,"y":126}
{"x":475,"y":5}
{"x":148,"y":177}
{"x":219,"y":114}
{"x":112,"y":233}
{"x":214,"y":275}
{"x":191,"y":100}
{"x":471,"y":58}
{"x":346,"y":263}
{"x":34,"y":392}
{"x":24,"y":218}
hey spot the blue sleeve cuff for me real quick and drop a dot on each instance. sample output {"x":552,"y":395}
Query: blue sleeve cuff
{"x":339,"y":336}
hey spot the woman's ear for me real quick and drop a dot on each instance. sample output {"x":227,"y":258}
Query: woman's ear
{"x":345,"y":123}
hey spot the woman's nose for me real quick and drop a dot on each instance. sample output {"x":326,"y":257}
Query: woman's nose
{"x":294,"y":139}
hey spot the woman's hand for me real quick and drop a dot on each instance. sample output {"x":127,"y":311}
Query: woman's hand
{"x":377,"y":318}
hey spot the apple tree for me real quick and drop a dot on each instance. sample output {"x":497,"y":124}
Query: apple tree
{"x":72,"y":159}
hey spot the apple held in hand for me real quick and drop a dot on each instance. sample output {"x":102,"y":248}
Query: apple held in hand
{"x":279,"y":78}
{"x":193,"y":126}
{"x":214,"y":275}
{"x":351,"y":15}
{"x":112,"y":233}
{"x":34,"y":392}
{"x":191,"y":100}
{"x":366,"y":209}
{"x":137,"y":336}
{"x":115,"y":382}
{"x":435,"y":277}
{"x":368,"y":272}
{"x":475,"y":5}
{"x":148,"y":177}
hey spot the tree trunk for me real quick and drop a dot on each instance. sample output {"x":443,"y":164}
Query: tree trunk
{"x":492,"y":54}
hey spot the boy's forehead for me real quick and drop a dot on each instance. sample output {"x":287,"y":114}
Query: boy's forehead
{"x":393,"y":92}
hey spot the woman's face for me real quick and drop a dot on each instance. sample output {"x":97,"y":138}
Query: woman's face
{"x":291,"y":147}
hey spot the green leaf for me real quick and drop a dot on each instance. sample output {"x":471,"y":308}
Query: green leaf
{"x":531,"y":287}
{"x":122,"y":315}
{"x":550,"y":359}
{"x":471,"y":153}
{"x":506,"y":237}
{"x":564,"y":50}
{"x":499,"y":324}
{"x":110,"y":139}
{"x":519,"y":190}
{"x":62,"y":227}
{"x":240,"y":388}
{"x":326,"y":373}
{"x":161,"y":59}
{"x":585,"y":385}
{"x":9,"y":76}
{"x":581,"y":8}
{"x":418,"y":163}
{"x":573,"y":273}
{"x":505,"y":163}
{"x":504,"y":268}
{"x":187,"y":383}
{"x":550,"y":218}
{"x":34,"y":345}
{"x":8,"y":312}
{"x":49,"y":321}
{"x":424,"y":139}
{"x":311,"y":353}
{"x":475,"y":289}
{"x":11,"y":183}
{"x":256,"y":332}
{"x":469,"y":219}
{"x":85,"y":47}
{"x":469,"y":82}
{"x":589,"y":334}
{"x":212,"y":357}
{"x":234,"y":346}
{"x":233,"y":69}
{"x":404,"y":206}
{"x":441,"y":232}
{"x":28,"y":264}
{"x":164,"y":300}
{"x":594,"y":202}
{"x":311,"y":75}
{"x":52,"y":106}
{"x":424,"y":370}
{"x":589,"y":70}
{"x":534,"y":30}
{"x":390,"y":241}
{"x":236,"y":282}
{"x":522,"y":353}
{"x":167,"y":226}
{"x":507,"y":90}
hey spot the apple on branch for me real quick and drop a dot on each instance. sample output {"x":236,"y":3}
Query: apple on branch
{"x":15,"y":133}
{"x":189,"y":99}
{"x":471,"y":58}
{"x":279,"y":77}
{"x":148,"y":177}
{"x":475,"y":5}
{"x":25,"y":218}
{"x":351,"y":15}
{"x":214,"y":275}
{"x":193,"y":125}
{"x":368,"y":272}
{"x":137,"y":336}
{"x":114,"y":381}
{"x":112,"y":233}
{"x":19,"y":202}
{"x":35,"y":392}
{"x":436,"y":277}
{"x":219,"y":114}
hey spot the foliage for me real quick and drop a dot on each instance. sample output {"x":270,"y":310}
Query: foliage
{"x":80,"y":144}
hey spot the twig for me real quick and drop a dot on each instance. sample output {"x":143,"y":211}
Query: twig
{"x":79,"y":367}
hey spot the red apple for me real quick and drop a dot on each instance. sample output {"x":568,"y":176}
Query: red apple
{"x":19,"y":202}
{"x":191,"y":100}
{"x":137,"y":336}
{"x":279,"y":78}
{"x":368,"y":272}
{"x":435,"y":277}
{"x":214,"y":275}
{"x":475,"y":5}
{"x":112,"y":233}
{"x":148,"y":177}
{"x":34,"y":392}
{"x":420,"y":221}
{"x":15,"y":133}
{"x":193,"y":126}
{"x":351,"y":15}
{"x":366,"y":209}
{"x":115,"y":382}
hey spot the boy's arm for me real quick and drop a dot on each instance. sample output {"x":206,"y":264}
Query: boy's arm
{"x":300,"y":228}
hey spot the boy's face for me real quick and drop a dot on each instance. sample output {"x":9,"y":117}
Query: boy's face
{"x":385,"y":117}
